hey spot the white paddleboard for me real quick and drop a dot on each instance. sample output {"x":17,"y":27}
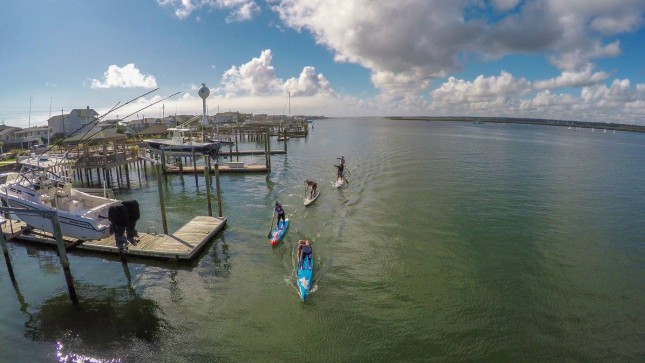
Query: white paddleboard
{"x":338,"y":183}
{"x":308,"y":200}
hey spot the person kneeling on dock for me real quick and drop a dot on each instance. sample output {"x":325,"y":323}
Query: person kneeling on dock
{"x":311,"y":184}
{"x":123,"y":222}
{"x":133,"y":216}
{"x":118,"y":217}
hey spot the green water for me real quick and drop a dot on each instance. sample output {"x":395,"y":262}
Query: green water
{"x":452,"y":242}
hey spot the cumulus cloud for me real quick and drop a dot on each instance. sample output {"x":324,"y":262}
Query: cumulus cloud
{"x":482,"y":89}
{"x":308,"y":83}
{"x":506,"y":95}
{"x":127,"y":76}
{"x":239,"y":10}
{"x":257,"y":77}
{"x":417,"y":41}
{"x":585,"y":77}
{"x":619,"y":92}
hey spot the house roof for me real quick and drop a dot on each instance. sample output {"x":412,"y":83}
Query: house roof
{"x":33,"y":129}
{"x":85,"y":111}
{"x":9,"y":130}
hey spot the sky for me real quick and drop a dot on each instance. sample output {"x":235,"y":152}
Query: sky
{"x":559,"y":59}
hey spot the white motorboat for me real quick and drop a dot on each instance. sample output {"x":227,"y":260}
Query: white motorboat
{"x":38,"y":187}
{"x":177,"y":146}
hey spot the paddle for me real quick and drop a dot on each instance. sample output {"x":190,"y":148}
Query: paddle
{"x":271,"y":230}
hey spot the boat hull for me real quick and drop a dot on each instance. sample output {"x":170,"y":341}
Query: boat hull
{"x":186,"y":150}
{"x":72,"y":225}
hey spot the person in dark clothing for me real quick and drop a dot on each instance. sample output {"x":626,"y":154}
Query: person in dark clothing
{"x":118,"y":217}
{"x":281,"y":215}
{"x":304,"y":250}
{"x":133,"y":216}
{"x":311,"y":184}
{"x":341,"y":167}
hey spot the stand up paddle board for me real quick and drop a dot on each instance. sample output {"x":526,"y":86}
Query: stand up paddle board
{"x":308,"y":200}
{"x":278,"y":233}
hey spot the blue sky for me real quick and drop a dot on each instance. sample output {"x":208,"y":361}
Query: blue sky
{"x":564,"y":59}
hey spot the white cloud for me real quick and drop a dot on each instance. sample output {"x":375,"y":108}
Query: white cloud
{"x":585,"y":77}
{"x":416,"y":41}
{"x":308,"y":84}
{"x":240,"y":10}
{"x":496,"y":89}
{"x":618,"y":93}
{"x":127,"y":76}
{"x":257,"y":77}
{"x":505,"y":5}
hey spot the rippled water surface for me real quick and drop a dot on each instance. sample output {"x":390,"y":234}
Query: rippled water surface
{"x":451,"y":242}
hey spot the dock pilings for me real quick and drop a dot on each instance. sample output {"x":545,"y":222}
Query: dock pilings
{"x":58,"y":236}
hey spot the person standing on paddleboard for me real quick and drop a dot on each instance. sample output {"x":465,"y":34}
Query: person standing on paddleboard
{"x":280,"y":211}
{"x":340,"y":166}
{"x":311,"y":184}
{"x":304,"y":250}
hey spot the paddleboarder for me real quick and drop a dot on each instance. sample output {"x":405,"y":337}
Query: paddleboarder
{"x":304,"y":250}
{"x":341,"y":169}
{"x":280,"y":211}
{"x":311,"y":184}
{"x":341,"y":166}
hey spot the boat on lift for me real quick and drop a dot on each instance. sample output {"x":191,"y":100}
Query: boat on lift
{"x":177,"y":145}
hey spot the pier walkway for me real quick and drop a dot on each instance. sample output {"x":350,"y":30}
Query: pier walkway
{"x":183,"y":245}
{"x":232,"y":167}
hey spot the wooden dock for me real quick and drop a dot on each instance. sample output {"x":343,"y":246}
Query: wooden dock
{"x":232,"y":167}
{"x":183,"y":245}
{"x":249,"y":152}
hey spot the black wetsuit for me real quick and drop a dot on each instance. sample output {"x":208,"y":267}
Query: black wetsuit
{"x":280,"y":211}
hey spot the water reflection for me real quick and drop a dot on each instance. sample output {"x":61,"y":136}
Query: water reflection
{"x":63,"y":357}
{"x":115,"y":315}
{"x":47,"y":259}
{"x":221,"y":260}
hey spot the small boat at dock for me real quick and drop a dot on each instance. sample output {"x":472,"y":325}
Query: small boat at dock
{"x":178,"y":146}
{"x":38,"y":187}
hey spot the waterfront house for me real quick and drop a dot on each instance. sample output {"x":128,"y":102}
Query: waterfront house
{"x":68,"y":124}
{"x":31,"y":136}
{"x":7,"y":136}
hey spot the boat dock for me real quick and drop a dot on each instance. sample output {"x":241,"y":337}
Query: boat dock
{"x":250,"y":152}
{"x":183,"y":245}
{"x":230,"y":167}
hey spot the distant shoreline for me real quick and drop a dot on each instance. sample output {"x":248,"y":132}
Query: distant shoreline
{"x":531,"y":121}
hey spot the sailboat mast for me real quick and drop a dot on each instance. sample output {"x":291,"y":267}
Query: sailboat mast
{"x":50,"y":116}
